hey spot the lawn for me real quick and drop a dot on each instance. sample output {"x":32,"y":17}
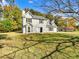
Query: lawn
{"x":61,"y":45}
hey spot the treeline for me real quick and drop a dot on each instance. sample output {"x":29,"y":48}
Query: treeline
{"x":13,"y":20}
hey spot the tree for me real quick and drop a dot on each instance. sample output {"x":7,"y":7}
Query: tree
{"x":71,"y":22}
{"x":11,"y":2}
{"x":13,"y":16}
{"x":49,"y":16}
{"x":69,"y":8}
{"x":5,"y":26}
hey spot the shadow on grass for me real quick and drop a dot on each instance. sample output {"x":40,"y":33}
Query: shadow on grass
{"x":3,"y":36}
{"x":44,"y":46}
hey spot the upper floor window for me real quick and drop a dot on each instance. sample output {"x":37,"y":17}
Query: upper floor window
{"x":29,"y":20}
{"x":40,"y":21}
{"x":50,"y":22}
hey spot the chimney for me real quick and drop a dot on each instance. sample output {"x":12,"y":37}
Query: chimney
{"x":23,"y":12}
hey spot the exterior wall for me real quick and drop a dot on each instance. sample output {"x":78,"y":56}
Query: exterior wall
{"x":28,"y":15}
{"x":55,"y":30}
{"x":35,"y":25}
{"x":24,"y":25}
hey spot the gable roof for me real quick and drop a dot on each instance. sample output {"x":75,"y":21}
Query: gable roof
{"x":36,"y":17}
{"x":39,"y":17}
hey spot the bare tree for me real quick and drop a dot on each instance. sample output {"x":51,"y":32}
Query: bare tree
{"x":65,"y":7}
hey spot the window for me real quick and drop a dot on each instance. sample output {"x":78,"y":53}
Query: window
{"x":50,"y":28}
{"x":50,"y":22}
{"x":40,"y":21}
{"x":29,"y":20}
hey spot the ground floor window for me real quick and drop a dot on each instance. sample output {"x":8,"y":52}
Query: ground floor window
{"x":50,"y":28}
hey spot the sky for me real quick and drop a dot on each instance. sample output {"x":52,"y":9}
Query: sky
{"x":22,"y":4}
{"x":4,"y":3}
{"x":27,"y":4}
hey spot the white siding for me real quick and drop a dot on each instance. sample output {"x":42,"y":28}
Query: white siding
{"x":35,"y":25}
{"x":28,"y":15}
{"x":24,"y":25}
{"x":54,"y":29}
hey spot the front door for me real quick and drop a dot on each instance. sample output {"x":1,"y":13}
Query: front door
{"x":41,"y":29}
{"x":28,"y":29}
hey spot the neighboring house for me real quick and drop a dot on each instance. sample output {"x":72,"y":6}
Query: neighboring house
{"x":37,"y":24}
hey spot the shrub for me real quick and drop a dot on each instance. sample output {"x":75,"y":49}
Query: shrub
{"x":5,"y":25}
{"x":8,"y":26}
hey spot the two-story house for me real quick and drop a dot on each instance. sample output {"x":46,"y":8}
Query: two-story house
{"x":37,"y":24}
